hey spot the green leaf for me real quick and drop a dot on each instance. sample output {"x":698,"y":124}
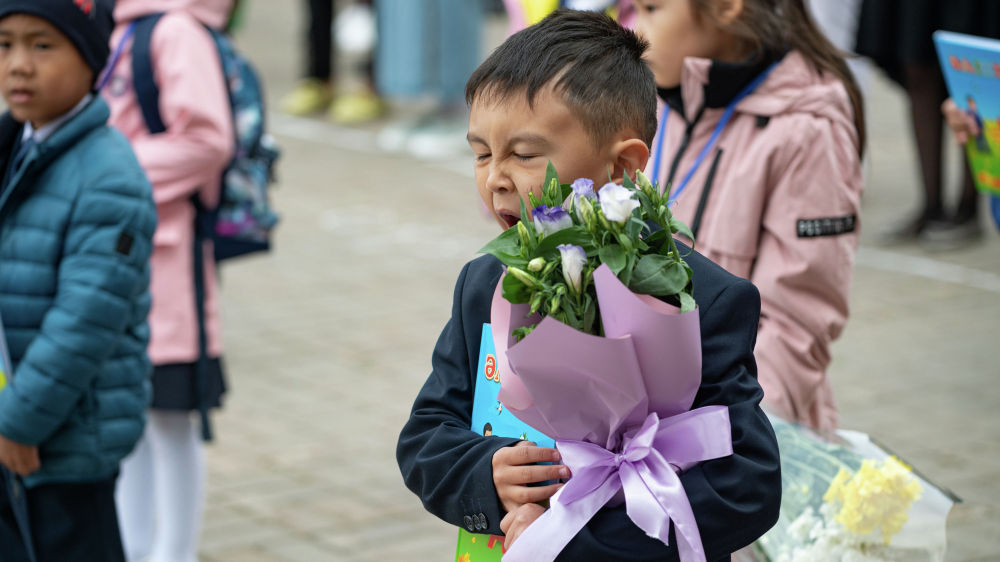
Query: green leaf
{"x":687,"y":302}
{"x":589,"y":314}
{"x":659,"y":276}
{"x":678,"y":226}
{"x":613,"y":257}
{"x":576,"y":235}
{"x":564,"y":192}
{"x":550,"y":174}
{"x":571,"y":318}
{"x":526,"y":220}
{"x":627,"y":182}
{"x":626,"y":275}
{"x":515,"y":291}
{"x":508,"y":242}
{"x":634,"y":226}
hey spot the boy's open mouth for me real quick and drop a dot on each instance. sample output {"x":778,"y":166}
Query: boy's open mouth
{"x":510,"y":218}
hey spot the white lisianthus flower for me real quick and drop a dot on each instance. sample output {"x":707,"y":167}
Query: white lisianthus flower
{"x":617,"y":202}
{"x":573,"y":259}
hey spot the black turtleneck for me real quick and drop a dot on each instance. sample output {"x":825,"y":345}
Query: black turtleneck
{"x":725,"y":80}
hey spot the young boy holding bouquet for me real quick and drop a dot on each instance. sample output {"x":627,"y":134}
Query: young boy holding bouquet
{"x":574,"y":90}
{"x":76,"y":228}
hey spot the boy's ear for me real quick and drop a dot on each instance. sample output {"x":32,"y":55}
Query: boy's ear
{"x":628,"y":155}
{"x":725,"y":12}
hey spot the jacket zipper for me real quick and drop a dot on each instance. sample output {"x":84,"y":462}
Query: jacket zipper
{"x":703,"y":200}
{"x":684,"y":144}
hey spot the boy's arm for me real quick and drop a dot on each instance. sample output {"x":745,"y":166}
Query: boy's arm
{"x":735,"y":499}
{"x":194,"y":105}
{"x":103,"y":270}
{"x":442,"y":461}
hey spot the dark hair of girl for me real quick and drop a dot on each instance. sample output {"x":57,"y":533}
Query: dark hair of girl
{"x":779,"y":25}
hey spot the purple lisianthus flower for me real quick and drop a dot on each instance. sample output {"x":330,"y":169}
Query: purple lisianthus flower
{"x":549,"y":220}
{"x":584,"y":187}
{"x":573,"y":259}
{"x":617,"y":202}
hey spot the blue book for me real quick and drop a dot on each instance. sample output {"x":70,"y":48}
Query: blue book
{"x":489,"y":417}
{"x":971,"y":67}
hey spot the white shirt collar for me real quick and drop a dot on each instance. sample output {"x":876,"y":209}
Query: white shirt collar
{"x":42,"y":134}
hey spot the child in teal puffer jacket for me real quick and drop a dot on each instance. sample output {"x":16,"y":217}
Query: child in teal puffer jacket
{"x":76,"y":226}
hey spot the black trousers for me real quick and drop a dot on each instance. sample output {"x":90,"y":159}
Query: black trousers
{"x":75,"y":521}
{"x":320,"y":62}
{"x":320,"y":40}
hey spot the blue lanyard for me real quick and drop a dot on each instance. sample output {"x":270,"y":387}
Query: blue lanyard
{"x":110,"y":68}
{"x":726,"y":116}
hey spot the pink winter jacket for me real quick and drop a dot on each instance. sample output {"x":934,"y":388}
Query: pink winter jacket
{"x":188,"y":158}
{"x":789,"y":161}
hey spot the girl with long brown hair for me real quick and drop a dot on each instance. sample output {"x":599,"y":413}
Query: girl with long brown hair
{"x":760,"y":142}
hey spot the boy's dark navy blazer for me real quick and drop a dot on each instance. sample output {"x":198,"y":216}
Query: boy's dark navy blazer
{"x":735,"y":499}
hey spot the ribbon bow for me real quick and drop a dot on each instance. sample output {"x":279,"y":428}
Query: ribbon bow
{"x":646,"y":468}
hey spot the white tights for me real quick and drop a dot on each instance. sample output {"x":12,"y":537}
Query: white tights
{"x":160,"y":493}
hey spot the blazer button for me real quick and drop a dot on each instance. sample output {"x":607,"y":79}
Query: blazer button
{"x":484,"y":521}
{"x":469,"y":524}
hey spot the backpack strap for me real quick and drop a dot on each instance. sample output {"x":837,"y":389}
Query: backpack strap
{"x":148,"y":94}
{"x":143,"y":78}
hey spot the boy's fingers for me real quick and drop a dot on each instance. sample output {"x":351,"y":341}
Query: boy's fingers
{"x":529,"y":474}
{"x":524,"y":453}
{"x":506,"y":521}
{"x":533,"y":494}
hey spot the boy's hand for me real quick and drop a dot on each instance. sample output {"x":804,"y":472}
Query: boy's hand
{"x":515,"y":467}
{"x":515,"y":522}
{"x":22,"y":459}
{"x":962,"y":125}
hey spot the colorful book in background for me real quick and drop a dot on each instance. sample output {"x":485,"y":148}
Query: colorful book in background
{"x":489,"y":417}
{"x":5,"y":365}
{"x":971,"y":68}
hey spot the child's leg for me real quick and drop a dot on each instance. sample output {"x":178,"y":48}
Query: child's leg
{"x":135,"y":500}
{"x":11,"y":543}
{"x":75,"y":522}
{"x":179,"y":483}
{"x":926,"y":90}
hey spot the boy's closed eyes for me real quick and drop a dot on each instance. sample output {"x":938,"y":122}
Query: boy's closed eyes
{"x":514,"y":140}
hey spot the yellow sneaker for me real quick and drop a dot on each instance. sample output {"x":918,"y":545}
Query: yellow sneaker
{"x":310,"y":96}
{"x":357,"y":107}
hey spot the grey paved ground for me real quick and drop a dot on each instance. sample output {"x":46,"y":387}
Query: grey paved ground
{"x":329,"y":340}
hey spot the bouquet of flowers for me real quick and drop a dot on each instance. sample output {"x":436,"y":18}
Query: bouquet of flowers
{"x":851,"y":500}
{"x":598,"y":346}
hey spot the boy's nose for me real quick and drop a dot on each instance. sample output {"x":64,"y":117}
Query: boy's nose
{"x":498,"y":181}
{"x":19,"y":62}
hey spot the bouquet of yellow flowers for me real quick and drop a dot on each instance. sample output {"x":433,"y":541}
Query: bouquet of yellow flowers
{"x":852,"y":500}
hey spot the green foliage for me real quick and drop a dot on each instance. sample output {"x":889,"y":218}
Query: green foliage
{"x":641,"y":252}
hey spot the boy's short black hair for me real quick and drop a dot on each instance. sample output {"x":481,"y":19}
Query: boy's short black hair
{"x":596,"y":64}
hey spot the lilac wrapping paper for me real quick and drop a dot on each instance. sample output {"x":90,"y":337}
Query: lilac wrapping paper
{"x":619,"y":408}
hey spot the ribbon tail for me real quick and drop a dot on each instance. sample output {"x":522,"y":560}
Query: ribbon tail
{"x":653,"y":489}
{"x":544,"y":539}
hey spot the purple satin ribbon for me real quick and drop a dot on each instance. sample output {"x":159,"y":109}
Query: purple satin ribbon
{"x":646,"y":468}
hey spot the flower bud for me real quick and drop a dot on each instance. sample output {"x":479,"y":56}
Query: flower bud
{"x":524,"y":277}
{"x":644,"y":184}
{"x":554,"y":305}
{"x":536,"y":265}
{"x":522,"y":232}
{"x":536,"y":302}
